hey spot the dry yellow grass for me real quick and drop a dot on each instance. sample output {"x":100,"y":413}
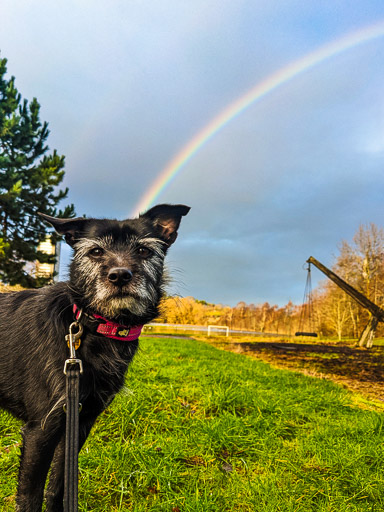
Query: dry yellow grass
{"x":5,"y":288}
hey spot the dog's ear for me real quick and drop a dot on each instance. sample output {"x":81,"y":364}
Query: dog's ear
{"x":70,"y":228}
{"x":166,"y":218}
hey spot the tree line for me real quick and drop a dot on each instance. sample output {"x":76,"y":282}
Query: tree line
{"x":335,"y":314}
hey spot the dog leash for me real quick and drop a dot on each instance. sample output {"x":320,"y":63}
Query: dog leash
{"x":72,"y":369}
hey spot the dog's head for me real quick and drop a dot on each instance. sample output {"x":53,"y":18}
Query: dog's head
{"x":117,"y":268}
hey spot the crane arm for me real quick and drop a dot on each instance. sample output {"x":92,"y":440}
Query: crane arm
{"x":355,"y":294}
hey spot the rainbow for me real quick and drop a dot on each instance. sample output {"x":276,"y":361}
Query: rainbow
{"x":273,"y":81}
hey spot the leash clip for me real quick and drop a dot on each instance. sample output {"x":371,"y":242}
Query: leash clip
{"x":73,"y":361}
{"x":73,"y":341}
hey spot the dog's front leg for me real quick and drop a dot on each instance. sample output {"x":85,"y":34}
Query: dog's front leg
{"x":55,"y":488}
{"x":36,"y":455}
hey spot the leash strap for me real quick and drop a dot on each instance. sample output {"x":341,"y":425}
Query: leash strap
{"x":73,"y":368}
{"x":71,"y":438}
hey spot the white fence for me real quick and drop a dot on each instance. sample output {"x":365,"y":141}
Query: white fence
{"x":155,"y":327}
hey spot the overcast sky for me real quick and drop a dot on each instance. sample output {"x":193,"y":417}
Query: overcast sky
{"x":124,"y":85}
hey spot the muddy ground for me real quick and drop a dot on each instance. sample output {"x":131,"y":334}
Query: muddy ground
{"x":358,"y":369}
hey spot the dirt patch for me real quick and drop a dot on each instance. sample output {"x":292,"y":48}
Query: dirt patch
{"x":357,"y":369}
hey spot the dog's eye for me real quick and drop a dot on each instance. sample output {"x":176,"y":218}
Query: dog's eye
{"x":96,"y":252}
{"x":144,"y":252}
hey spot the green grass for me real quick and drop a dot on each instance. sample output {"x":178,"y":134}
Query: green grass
{"x":199,"y":429}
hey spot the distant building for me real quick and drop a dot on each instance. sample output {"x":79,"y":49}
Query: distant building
{"x":48,"y":269}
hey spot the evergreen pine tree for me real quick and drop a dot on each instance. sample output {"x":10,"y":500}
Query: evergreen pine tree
{"x":28,"y":184}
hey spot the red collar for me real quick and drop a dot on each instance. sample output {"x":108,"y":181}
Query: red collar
{"x":111,"y":329}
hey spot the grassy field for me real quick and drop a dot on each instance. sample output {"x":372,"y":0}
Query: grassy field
{"x":200,"y":429}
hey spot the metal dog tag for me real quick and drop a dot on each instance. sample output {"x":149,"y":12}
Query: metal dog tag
{"x":76,"y":342}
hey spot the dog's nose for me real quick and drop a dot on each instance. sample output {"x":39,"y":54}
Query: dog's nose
{"x":119,"y":276}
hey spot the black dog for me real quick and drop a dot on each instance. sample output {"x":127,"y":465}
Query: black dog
{"x":116,"y":279}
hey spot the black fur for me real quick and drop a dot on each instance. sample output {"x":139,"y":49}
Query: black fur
{"x":34,"y":324}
